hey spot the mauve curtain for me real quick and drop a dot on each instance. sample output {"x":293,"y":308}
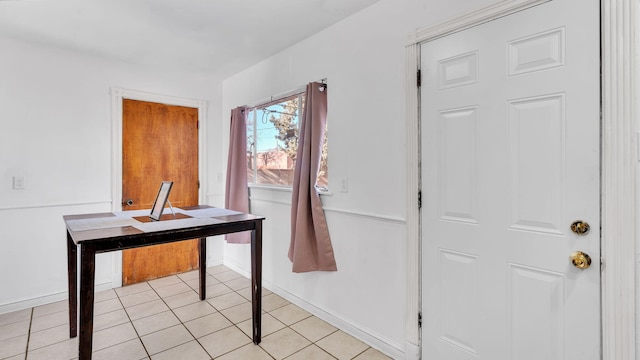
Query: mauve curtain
{"x":236,"y":196}
{"x":310,"y":248}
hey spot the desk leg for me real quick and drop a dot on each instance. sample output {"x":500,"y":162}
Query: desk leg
{"x":72,"y":273}
{"x":87,"y":283}
{"x":256,"y":281}
{"x":202,"y":258}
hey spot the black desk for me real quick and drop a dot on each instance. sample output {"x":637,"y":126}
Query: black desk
{"x":103,"y":232}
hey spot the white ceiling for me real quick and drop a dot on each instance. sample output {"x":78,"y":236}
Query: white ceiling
{"x":218,"y":36}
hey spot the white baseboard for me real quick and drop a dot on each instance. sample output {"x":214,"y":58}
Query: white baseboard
{"x":43,"y":300}
{"x":237,"y":268}
{"x":412,"y":351}
{"x":360,"y":332}
{"x":211,"y":263}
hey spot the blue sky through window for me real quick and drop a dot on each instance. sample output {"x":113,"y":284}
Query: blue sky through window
{"x":266,"y":132}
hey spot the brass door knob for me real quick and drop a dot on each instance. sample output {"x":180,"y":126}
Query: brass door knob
{"x":580,"y":227}
{"x":580,"y":260}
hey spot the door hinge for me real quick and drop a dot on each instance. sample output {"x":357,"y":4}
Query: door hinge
{"x":419,"y":199}
{"x":198,"y":184}
{"x":198,"y":125}
{"x":420,"y":320}
{"x":419,"y":78}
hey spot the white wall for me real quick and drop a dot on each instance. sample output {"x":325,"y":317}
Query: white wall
{"x":55,"y":130}
{"x":363,"y":60}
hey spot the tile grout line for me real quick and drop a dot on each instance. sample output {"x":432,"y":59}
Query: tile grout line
{"x":131,"y":322}
{"x":172,"y":311}
{"x":362,"y":352}
{"x":289,"y":326}
{"x":304,"y":337}
{"x":324,"y":337}
{"x":311,"y":342}
{"x":310,"y":345}
{"x":180,"y":320}
{"x":233,"y":323}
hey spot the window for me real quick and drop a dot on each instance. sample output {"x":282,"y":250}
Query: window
{"x":272,"y":143}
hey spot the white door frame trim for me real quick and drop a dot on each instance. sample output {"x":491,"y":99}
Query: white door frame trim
{"x":618,"y":179}
{"x":119,"y":94}
{"x":618,"y":164}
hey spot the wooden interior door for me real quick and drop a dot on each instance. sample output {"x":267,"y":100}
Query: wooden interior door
{"x":159,"y":143}
{"x":510,"y":159}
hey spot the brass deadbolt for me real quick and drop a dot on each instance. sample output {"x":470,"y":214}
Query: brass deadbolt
{"x":580,"y":227}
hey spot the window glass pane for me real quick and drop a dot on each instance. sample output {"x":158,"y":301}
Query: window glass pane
{"x":277,"y":142}
{"x":272,"y":143}
{"x":323,"y":175}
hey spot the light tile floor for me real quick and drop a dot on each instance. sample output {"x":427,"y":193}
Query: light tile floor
{"x":165,"y":319}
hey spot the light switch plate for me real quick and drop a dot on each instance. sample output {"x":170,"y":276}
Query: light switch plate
{"x":18,"y":182}
{"x":344,"y":184}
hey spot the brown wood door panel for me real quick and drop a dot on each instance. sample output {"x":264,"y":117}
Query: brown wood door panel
{"x":159,"y":142}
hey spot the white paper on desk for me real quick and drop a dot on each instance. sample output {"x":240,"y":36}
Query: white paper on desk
{"x":210,"y":212}
{"x":100,"y":223}
{"x":146,"y":212}
{"x":174,"y":224}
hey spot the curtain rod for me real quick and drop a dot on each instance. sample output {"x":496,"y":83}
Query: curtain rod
{"x":284,"y":94}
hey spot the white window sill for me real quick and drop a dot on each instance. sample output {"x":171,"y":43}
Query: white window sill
{"x":284,"y":189}
{"x":270,"y":187}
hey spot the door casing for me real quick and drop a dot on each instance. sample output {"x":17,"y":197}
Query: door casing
{"x":117,"y":95}
{"x":618,"y":175}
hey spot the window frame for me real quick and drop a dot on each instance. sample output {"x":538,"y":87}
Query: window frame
{"x":252,"y":147}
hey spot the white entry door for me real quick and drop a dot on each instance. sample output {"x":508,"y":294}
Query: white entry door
{"x":510,"y":159}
